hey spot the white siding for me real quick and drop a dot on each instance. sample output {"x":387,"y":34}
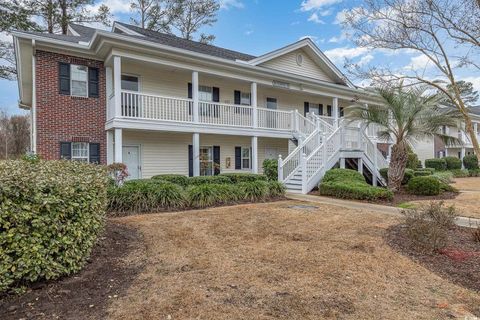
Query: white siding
{"x":424,"y":149}
{"x":165,"y":152}
{"x":288,"y":63}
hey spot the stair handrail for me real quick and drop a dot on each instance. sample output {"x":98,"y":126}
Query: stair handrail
{"x":378,"y":160}
{"x":307,"y":125}
{"x":319,"y":119}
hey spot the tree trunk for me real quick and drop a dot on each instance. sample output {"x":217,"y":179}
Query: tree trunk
{"x":398,"y":163}
{"x":473,"y":136}
{"x":64,"y":18}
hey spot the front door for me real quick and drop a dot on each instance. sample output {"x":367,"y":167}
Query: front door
{"x":131,"y":158}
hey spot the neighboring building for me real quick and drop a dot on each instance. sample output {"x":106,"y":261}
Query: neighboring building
{"x":162,"y":104}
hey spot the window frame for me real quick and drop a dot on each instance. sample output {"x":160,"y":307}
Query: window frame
{"x":249,"y":99}
{"x":200,"y":91}
{"x":71,"y":80}
{"x":245,"y":158}
{"x":139,"y":78}
{"x":210,"y":161}
{"x":81,"y":159}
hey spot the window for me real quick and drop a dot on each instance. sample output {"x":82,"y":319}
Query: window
{"x":130,"y":83}
{"x":80,"y":151}
{"x":245,"y":98}
{"x":205,"y":93}
{"x":314,"y":108}
{"x":206,"y":161}
{"x":245,"y":158}
{"x":79,"y":83}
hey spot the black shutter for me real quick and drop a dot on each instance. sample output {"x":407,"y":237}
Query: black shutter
{"x":216,"y":159}
{"x":94,"y":152}
{"x":190,"y":96}
{"x":306,"y":108}
{"x":329,"y":110}
{"x":93,"y":87}
{"x":190,"y":160}
{"x":237,"y":97}
{"x":238,"y":158}
{"x":64,"y":78}
{"x":341,"y":112}
{"x":320,"y":109}
{"x":215,"y":94}
{"x":66,"y":150}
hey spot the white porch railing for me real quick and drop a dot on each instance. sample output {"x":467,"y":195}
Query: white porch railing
{"x":225,"y":114}
{"x":274,"y":119}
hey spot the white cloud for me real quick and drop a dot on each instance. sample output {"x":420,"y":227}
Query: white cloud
{"x":474,"y":80}
{"x":338,"y":55}
{"x":340,"y":17}
{"x":419,"y":63}
{"x":365,"y":60}
{"x":227,"y":4}
{"x":314,"y":18}
{"x":308,"y":5}
{"x":313,"y":38}
{"x":337,"y":39}
{"x":116,"y":6}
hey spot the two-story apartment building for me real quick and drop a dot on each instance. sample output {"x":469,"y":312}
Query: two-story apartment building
{"x":163,"y":104}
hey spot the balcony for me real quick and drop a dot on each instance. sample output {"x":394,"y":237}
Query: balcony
{"x":156,"y":109}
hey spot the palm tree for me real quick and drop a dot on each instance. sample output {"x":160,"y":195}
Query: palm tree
{"x":405,"y":115}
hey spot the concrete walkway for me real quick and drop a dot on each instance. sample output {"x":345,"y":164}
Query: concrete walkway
{"x":460,"y":221}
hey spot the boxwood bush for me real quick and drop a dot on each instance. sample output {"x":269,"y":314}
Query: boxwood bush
{"x":173,"y":178}
{"x":244,"y":177}
{"x":200,"y":180}
{"x":470,"y":162}
{"x":51,"y":213}
{"x":423,"y":172}
{"x":436,"y":163}
{"x":409,"y":173}
{"x":350,"y":184}
{"x":453,"y":163}
{"x":270,"y":169}
{"x":424,"y":186}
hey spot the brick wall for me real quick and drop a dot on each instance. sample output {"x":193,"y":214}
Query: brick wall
{"x":62,"y":117}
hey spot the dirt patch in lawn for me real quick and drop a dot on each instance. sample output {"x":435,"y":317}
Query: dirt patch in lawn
{"x":282,"y":261}
{"x":87,"y":294}
{"x":459,"y":261}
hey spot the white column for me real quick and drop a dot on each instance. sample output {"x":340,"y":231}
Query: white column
{"x":108,"y":91}
{"x":375,"y":165}
{"x":254,"y":154}
{"x":462,"y":155}
{"x":280,"y":168}
{"x":253,"y":98}
{"x":195,"y":97}
{"x":446,"y":152}
{"x":118,"y":145}
{"x":196,"y":154}
{"x":117,"y":85}
{"x":335,"y":112}
{"x":110,"y":147}
{"x":304,"y":173}
{"x":360,"y":165}
{"x":342,"y":163}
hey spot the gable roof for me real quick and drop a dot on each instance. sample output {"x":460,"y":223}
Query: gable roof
{"x":320,"y":58}
{"x":177,"y":42}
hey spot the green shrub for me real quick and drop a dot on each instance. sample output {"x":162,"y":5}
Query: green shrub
{"x":436,"y":163}
{"x":350,"y":184}
{"x":460,"y":173}
{"x":254,"y":190}
{"x":453,"y":163}
{"x":423,"y":172}
{"x":412,"y":162}
{"x":51,"y":213}
{"x":444,"y":176}
{"x":207,"y":195}
{"x":196,"y":181}
{"x":179,"y":179}
{"x":244,"y":177}
{"x":270,"y":169}
{"x":276,"y":189}
{"x":470,"y":162}
{"x":425,"y":186}
{"x":474,"y":173}
{"x":147,"y":195}
{"x":409,"y":173}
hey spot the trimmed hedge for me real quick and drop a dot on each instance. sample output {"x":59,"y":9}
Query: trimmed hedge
{"x":470,"y":162}
{"x":437,"y":163}
{"x":423,"y":172}
{"x":270,"y":169}
{"x":424,"y":186}
{"x":201,"y":180}
{"x":51,"y":213}
{"x":453,"y":163}
{"x":350,"y":184}
{"x":173,"y":178}
{"x":409,"y":173}
{"x":244,"y":177}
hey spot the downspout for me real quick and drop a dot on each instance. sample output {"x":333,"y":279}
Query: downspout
{"x":33,"y":111}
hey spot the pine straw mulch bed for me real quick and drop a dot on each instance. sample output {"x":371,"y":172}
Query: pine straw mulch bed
{"x":459,"y":261}
{"x":85,"y":295}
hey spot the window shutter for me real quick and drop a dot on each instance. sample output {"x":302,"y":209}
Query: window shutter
{"x":190,"y":96}
{"x":238,"y":158}
{"x":329,"y":110}
{"x":190,"y":160}
{"x":64,"y":78}
{"x":66,"y":150}
{"x":215,"y":94}
{"x":236,"y":97}
{"x":94,"y":152}
{"x":320,"y":109}
{"x":306,"y":108}
{"x":93,"y":86}
{"x":216,"y":159}
{"x":341,"y":112}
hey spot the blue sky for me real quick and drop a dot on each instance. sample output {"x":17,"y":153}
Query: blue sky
{"x":260,"y":26}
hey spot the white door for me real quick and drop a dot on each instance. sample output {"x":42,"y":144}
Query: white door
{"x":131,"y":158}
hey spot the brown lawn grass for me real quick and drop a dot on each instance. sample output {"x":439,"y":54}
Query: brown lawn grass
{"x":268,"y":261}
{"x":468,"y":201}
